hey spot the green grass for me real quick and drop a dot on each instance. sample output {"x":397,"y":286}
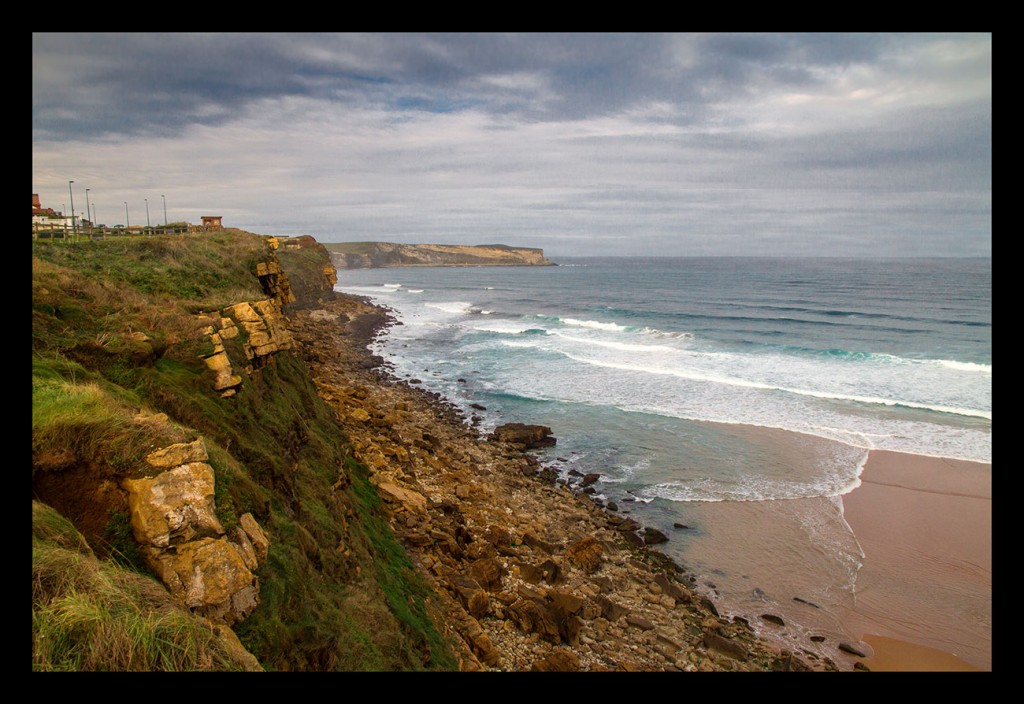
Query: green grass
{"x":83,"y":422}
{"x":337,"y":590}
{"x":91,"y":615}
{"x":405,"y":590}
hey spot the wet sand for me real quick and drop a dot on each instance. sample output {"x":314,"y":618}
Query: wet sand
{"x":923,"y":597}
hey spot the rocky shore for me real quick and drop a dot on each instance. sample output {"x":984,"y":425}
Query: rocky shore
{"x":530,"y":574}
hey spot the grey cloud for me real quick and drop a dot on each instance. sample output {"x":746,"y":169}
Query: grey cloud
{"x":668,"y":144}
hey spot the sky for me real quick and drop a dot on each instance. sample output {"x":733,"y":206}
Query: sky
{"x":581,"y":144}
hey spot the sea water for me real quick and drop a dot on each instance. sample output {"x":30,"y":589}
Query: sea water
{"x":729,"y":402}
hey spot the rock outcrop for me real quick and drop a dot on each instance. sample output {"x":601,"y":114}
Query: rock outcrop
{"x":528,"y":437}
{"x":262,"y":330}
{"x":174,"y":521}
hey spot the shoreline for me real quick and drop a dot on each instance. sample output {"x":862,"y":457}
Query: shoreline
{"x":922,"y":598}
{"x":529,"y":574}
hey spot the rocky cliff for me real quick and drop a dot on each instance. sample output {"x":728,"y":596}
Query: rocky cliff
{"x":365,"y":255}
{"x":294,"y":507}
{"x":209,"y":515}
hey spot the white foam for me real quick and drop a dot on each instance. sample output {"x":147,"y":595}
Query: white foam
{"x":596,"y":324}
{"x":965,"y":366}
{"x":608,"y":344}
{"x":463,"y":307}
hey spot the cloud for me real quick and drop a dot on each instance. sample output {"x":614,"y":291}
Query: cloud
{"x":668,"y":144}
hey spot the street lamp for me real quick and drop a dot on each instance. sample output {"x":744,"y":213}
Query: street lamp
{"x":74,"y":227}
{"x":147,"y":212}
{"x":165,"y":210}
{"x":127,"y":222}
{"x":88,"y":212}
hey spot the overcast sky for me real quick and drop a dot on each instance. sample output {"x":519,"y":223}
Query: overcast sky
{"x":583,"y":144}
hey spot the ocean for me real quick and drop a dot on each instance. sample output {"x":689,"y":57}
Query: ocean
{"x":728,"y":402}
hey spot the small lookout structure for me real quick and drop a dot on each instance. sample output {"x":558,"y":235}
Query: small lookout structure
{"x":212,"y":222}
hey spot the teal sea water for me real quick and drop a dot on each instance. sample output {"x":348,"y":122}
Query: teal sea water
{"x":736,"y":396}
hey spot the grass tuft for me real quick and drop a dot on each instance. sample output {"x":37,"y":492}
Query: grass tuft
{"x":90,"y":615}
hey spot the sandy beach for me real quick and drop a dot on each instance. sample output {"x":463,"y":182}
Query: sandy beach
{"x":923,"y":598}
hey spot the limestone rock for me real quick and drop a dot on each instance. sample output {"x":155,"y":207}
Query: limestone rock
{"x":560,"y":660}
{"x":653,"y":536}
{"x":609,"y":609}
{"x":788,"y":662}
{"x":529,"y":436}
{"x":260,"y":541}
{"x":178,"y":454}
{"x":861,"y":650}
{"x":586,"y":554}
{"x":245,"y":548}
{"x":672,"y":588}
{"x":412,"y":500}
{"x":571,"y":603}
{"x":473,"y":597}
{"x":488,"y":573}
{"x":237,"y":651}
{"x":644,"y":624}
{"x":174,"y":507}
{"x":209,"y":575}
{"x":727,"y":646}
{"x":221,"y":365}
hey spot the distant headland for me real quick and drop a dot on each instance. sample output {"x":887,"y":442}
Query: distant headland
{"x":375,"y":255}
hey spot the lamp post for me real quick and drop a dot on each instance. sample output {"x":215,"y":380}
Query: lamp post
{"x":127,"y":222}
{"x":165,"y":210}
{"x":74,"y":227}
{"x":88,"y":212}
{"x":147,"y":212}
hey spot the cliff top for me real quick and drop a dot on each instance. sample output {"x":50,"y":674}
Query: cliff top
{"x":358,"y":255}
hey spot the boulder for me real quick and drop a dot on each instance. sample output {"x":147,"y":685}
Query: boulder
{"x":210,"y":576}
{"x":788,"y":662}
{"x":530,"y":616}
{"x":174,"y":507}
{"x":560,"y":660}
{"x":474,"y":599}
{"x":586,"y":554}
{"x":567,"y":601}
{"x":726,"y":646}
{"x":410,"y":499}
{"x":644,"y":624}
{"x":178,"y":454}
{"x":609,"y":609}
{"x":653,"y":536}
{"x":673,"y":588}
{"x":221,"y":366}
{"x":488,"y":573}
{"x":259,"y":539}
{"x":861,"y":650}
{"x":529,"y":436}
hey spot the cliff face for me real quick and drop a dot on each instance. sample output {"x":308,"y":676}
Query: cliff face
{"x":179,"y":431}
{"x":366,"y":255}
{"x":294,"y":507}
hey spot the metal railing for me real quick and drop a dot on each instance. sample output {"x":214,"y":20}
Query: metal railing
{"x":67,"y":233}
